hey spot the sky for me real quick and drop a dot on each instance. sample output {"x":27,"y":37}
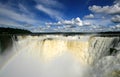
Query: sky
{"x":60,"y":15}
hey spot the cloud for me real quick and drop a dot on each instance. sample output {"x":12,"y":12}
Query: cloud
{"x":50,"y":3}
{"x":104,"y":15}
{"x":59,"y":23}
{"x":116,"y":19}
{"x":16,"y":16}
{"x":114,"y":9}
{"x":117,"y":26}
{"x":117,"y":1}
{"x":87,"y":23}
{"x":22,"y":8}
{"x":68,"y":22}
{"x":11,"y":16}
{"x":77,"y":21}
{"x":51,"y":12}
{"x":89,"y":16}
{"x":99,"y":21}
{"x":51,"y":8}
{"x":9,"y":23}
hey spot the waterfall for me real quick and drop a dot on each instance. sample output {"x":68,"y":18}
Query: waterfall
{"x":74,"y":56}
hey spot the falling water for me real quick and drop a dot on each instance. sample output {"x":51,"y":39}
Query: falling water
{"x":61,"y":56}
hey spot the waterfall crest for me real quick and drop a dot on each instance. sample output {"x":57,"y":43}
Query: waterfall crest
{"x":100,"y":54}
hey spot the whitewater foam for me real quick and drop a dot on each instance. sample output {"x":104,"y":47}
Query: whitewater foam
{"x":65,"y":56}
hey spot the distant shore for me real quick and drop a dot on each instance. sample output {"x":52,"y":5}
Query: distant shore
{"x":11,"y":31}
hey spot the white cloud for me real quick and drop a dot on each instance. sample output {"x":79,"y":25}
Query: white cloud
{"x":51,"y":12}
{"x":117,"y":26}
{"x":9,"y":14}
{"x":51,"y":8}
{"x":103,"y":22}
{"x":114,"y":9}
{"x":10,"y":23}
{"x":77,"y":21}
{"x":117,"y":1}
{"x":116,"y":19}
{"x":87,"y":23}
{"x":23,"y":9}
{"x":16,"y":16}
{"x":104,"y":15}
{"x":59,"y":23}
{"x":50,"y":3}
{"x":68,"y":22}
{"x":89,"y":16}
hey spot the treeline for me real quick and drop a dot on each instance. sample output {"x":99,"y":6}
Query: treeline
{"x":13,"y":31}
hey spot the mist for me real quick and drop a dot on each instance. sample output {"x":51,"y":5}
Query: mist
{"x":61,"y":56}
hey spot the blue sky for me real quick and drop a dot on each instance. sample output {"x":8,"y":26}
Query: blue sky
{"x":65,"y":15}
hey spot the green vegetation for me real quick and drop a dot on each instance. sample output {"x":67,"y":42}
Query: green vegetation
{"x":13,"y":31}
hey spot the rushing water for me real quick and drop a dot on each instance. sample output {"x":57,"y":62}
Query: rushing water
{"x":60,"y":56}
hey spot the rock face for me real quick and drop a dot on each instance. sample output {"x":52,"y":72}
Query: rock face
{"x":5,"y":42}
{"x":102,"y":46}
{"x":101,"y":54}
